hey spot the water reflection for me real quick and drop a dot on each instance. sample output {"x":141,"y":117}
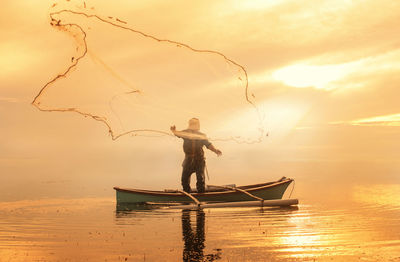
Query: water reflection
{"x":194,"y":238}
{"x":91,"y":230}
{"x":380,"y":195}
{"x":128,"y":207}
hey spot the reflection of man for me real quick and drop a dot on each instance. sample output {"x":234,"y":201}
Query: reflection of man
{"x":194,"y":242}
{"x":193,"y":142}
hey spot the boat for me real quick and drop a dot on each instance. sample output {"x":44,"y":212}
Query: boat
{"x":214,"y":194}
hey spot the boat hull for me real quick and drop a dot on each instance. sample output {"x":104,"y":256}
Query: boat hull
{"x":267,"y":191}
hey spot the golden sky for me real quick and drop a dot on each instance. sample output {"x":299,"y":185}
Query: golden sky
{"x":326,"y":74}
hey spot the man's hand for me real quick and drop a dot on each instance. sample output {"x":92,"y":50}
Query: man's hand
{"x":218,"y":152}
{"x":173,"y":129}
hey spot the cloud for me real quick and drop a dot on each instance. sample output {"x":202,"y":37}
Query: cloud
{"x":315,"y":73}
{"x":8,"y":99}
{"x":386,"y":120}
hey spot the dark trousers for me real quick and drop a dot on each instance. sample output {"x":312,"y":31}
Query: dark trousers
{"x":193,"y":165}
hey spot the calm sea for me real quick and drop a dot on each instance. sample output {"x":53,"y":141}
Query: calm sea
{"x":363,"y":226}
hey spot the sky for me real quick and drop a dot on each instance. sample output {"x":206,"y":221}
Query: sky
{"x":325,"y":74}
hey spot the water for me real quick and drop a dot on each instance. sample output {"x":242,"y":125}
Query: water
{"x":366,"y":227}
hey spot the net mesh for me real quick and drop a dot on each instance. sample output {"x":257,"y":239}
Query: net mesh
{"x":139,"y":85}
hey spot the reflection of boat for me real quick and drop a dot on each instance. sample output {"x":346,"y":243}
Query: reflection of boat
{"x":265,"y":191}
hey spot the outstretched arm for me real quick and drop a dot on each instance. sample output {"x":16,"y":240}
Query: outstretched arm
{"x":176,"y":132}
{"x":216,"y":151}
{"x":186,"y":134}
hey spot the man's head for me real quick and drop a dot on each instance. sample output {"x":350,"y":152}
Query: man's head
{"x":194,"y":124}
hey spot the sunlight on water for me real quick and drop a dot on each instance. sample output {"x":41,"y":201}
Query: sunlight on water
{"x":386,"y":195}
{"x":92,"y":230}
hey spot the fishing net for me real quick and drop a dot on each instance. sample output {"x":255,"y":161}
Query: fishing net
{"x":137,"y":84}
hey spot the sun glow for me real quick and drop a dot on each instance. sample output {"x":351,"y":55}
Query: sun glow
{"x":279,"y":118}
{"x":283,"y":116}
{"x":301,"y":75}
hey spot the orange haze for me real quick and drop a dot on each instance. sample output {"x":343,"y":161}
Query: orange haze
{"x":326,"y":74}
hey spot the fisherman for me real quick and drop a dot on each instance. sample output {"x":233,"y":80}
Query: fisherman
{"x":193,"y":142}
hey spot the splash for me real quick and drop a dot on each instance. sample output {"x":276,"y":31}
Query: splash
{"x":138,"y":84}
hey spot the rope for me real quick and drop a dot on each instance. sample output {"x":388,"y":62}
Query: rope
{"x":205,"y":165}
{"x":291,"y":191}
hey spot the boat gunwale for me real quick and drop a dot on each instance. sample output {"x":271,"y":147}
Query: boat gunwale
{"x":249,"y":188}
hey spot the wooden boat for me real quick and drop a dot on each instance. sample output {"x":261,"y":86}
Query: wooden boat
{"x":265,"y":191}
